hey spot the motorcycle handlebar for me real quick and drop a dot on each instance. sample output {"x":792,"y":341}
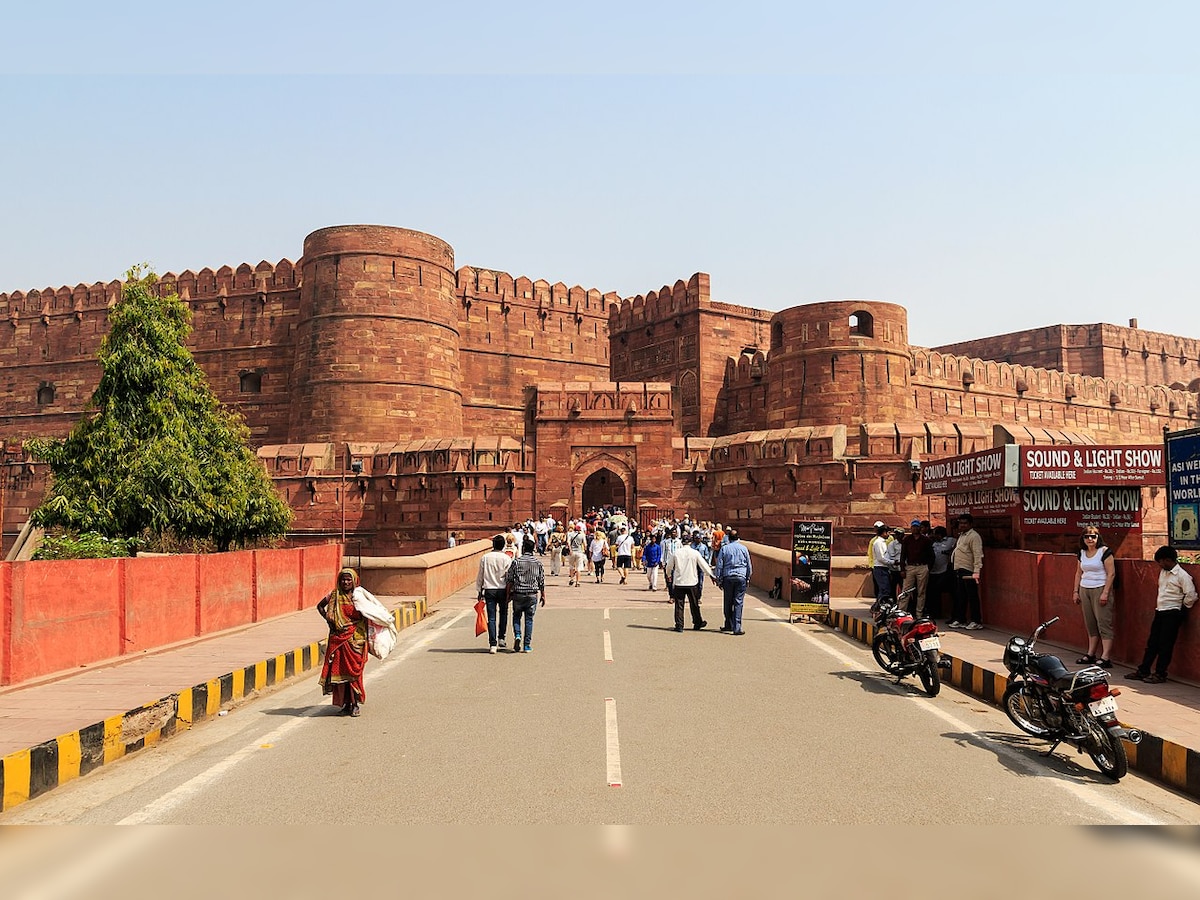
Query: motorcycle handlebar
{"x":1038,"y":631}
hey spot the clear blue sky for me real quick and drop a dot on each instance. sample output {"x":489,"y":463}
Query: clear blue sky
{"x":991,"y":167}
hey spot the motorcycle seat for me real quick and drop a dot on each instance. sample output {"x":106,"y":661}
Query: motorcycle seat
{"x":1052,"y":667}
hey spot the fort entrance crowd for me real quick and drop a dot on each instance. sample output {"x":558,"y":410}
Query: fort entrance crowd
{"x":942,"y":565}
{"x":678,"y":553}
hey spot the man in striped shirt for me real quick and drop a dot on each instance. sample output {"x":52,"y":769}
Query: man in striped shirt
{"x":526,"y":582}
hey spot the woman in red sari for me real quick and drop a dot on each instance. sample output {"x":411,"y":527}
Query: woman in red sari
{"x":346,"y":649}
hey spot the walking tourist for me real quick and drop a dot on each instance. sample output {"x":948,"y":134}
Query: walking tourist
{"x":576,"y":554}
{"x":492,"y":589}
{"x":652,"y":560}
{"x":683,"y":569}
{"x":624,"y":553}
{"x":598,"y":553}
{"x":526,"y":581}
{"x":733,"y":571}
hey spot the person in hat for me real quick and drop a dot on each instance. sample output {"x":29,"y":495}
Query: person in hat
{"x":893,"y":557}
{"x":878,"y":557}
{"x":916,"y":556}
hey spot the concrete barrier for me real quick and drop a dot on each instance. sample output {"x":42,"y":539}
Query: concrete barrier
{"x":433,"y":576}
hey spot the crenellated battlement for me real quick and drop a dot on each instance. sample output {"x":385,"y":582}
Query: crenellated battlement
{"x":474,"y":284}
{"x":668,"y":301}
{"x":962,"y":373}
{"x":51,"y":303}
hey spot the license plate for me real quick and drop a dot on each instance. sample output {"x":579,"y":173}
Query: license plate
{"x":930,"y":643}
{"x":1103,"y":707}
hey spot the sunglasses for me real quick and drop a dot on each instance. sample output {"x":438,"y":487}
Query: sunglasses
{"x":1090,"y":537}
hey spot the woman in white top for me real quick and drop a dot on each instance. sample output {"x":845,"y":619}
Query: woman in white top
{"x":598,"y":553}
{"x":1093,"y":593}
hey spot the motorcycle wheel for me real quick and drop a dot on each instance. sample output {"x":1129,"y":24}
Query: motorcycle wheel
{"x":1017,"y":709}
{"x":1107,"y":752}
{"x":887,"y":653}
{"x":931,"y":678}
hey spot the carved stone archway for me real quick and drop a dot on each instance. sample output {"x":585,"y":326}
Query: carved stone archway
{"x":609,"y":467}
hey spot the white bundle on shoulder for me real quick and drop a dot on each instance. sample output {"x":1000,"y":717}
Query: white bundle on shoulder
{"x":381,"y":624}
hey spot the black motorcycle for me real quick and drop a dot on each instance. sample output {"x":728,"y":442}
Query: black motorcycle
{"x":1046,"y":700}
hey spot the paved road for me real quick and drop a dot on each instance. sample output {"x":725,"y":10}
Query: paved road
{"x":787,"y":724}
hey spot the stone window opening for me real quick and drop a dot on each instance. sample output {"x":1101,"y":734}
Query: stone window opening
{"x":45,"y":394}
{"x":776,"y":335}
{"x":862,"y":324}
{"x":250,"y":382}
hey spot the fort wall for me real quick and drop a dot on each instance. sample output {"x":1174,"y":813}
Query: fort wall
{"x":818,"y":371}
{"x":515,"y":332}
{"x":474,"y":398}
{"x":658,"y":337}
{"x":1100,"y":350}
{"x":242,"y":324}
{"x":377,"y":342}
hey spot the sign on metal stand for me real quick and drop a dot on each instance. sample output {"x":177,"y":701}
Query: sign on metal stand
{"x":812,"y":557}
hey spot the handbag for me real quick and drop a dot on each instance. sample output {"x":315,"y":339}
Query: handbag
{"x":480,"y":618}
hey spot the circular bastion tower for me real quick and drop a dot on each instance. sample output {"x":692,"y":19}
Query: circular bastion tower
{"x":839,"y":362}
{"x":377,"y":340}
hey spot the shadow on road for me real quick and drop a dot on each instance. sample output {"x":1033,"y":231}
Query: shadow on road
{"x":483,"y":649}
{"x":1030,"y":760}
{"x":878,"y":682}
{"x":296,"y":712}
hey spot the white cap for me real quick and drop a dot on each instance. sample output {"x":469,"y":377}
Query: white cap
{"x":878,"y":525}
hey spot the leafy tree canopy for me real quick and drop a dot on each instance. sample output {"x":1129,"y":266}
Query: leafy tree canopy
{"x":155,"y":454}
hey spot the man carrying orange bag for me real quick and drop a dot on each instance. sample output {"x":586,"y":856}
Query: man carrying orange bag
{"x":493,"y":594}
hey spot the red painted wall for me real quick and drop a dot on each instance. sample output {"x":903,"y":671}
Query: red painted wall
{"x":321,"y":565}
{"x":226,"y":594}
{"x":160,"y":601}
{"x":57,"y":615}
{"x":1022,"y":589}
{"x":62,"y":616}
{"x":277,"y":576}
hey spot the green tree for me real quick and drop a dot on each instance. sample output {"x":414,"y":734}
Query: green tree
{"x":156,"y":455}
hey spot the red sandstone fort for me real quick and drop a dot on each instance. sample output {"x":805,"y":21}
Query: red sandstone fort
{"x":469,"y":399}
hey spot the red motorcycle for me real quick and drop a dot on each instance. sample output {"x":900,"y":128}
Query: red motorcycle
{"x":904,"y":645}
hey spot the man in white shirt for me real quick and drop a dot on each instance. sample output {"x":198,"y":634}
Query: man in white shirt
{"x":576,"y":554}
{"x":683,"y":570}
{"x":624,"y":553}
{"x":1176,"y":594}
{"x":492,"y":590}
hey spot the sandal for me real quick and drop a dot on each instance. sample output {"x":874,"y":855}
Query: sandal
{"x":1088,"y":660}
{"x":1104,"y":663}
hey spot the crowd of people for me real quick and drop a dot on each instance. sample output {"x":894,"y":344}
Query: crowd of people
{"x":939,"y":567}
{"x":936,"y":565}
{"x":678,"y":553}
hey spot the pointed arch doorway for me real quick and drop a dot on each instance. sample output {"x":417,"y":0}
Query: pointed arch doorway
{"x":604,"y":487}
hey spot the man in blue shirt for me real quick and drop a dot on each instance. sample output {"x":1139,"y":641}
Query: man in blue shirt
{"x":733,"y":570}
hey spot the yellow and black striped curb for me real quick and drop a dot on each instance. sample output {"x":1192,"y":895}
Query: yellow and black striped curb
{"x":1164,"y":761}
{"x":30,"y":773}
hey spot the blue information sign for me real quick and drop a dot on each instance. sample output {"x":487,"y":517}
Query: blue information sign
{"x":1183,"y":488}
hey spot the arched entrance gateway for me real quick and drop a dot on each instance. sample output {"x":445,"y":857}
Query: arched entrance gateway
{"x":603,"y":487}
